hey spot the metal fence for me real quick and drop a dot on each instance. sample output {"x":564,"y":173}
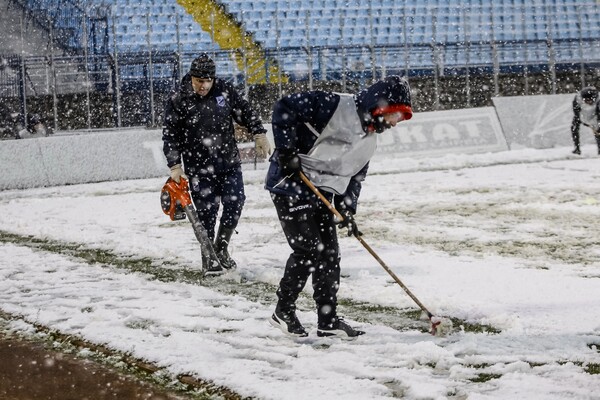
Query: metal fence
{"x":129,"y":89}
{"x":90,"y":90}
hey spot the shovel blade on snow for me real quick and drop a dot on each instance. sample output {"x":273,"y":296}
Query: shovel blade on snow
{"x":440,"y":326}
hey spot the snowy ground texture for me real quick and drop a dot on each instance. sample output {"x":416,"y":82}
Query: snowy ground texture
{"x":507,"y":241}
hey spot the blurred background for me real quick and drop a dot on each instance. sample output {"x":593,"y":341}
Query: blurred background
{"x":99,"y":64}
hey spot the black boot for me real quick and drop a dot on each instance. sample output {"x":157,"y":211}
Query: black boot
{"x":211,"y":265}
{"x":338,"y":328}
{"x":287,"y":321}
{"x":210,"y":261}
{"x":221,"y":243}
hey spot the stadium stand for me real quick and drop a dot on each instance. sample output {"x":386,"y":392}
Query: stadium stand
{"x":134,"y":51}
{"x":520,"y":31}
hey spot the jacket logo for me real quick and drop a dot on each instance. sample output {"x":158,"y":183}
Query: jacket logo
{"x":298,"y":208}
{"x":220,"y":101}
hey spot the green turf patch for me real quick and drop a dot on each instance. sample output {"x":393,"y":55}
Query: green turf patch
{"x":594,"y":346}
{"x":167,"y":271}
{"x":592,"y":368}
{"x":485,"y":377}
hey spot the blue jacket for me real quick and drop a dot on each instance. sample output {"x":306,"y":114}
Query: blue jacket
{"x":200,"y":130}
{"x":588,"y":115}
{"x":291,"y":135}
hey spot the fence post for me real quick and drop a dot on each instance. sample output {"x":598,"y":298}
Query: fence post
{"x":23,"y":73}
{"x":176,"y":71}
{"x":322,"y":57}
{"x":309,"y":52}
{"x":436,"y":61}
{"x":245,"y":60}
{"x":150,"y":73}
{"x":467,"y":34}
{"x":278,"y":49}
{"x":116,"y":79}
{"x":87,"y":71}
{"x":581,"y":60}
{"x":495,"y":59}
{"x":23,"y":89}
{"x":344,"y":63}
{"x":373,"y":59}
{"x":178,"y":38}
{"x":550,"y":45}
{"x":404,"y":30}
{"x":526,"y":51}
{"x":53,"y":80}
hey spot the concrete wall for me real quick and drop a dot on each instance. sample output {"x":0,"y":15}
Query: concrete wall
{"x":540,"y":122}
{"x":72,"y":158}
{"x":81,"y":158}
{"x":475,"y":130}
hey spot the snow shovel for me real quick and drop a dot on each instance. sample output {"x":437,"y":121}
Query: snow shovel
{"x":439,"y":326}
{"x":176,"y":202}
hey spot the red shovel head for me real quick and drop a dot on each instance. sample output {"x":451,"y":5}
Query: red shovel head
{"x":440,"y":326}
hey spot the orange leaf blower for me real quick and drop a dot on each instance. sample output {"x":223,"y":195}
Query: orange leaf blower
{"x":174,"y":197}
{"x":176,"y":202}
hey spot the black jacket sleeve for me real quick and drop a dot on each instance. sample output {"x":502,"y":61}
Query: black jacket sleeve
{"x":244,"y":114}
{"x":350,"y":199}
{"x":293,"y":111}
{"x":172,"y":132}
{"x":597,"y":127}
{"x":576,"y":118}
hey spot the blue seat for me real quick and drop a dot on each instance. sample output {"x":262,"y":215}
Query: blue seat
{"x":335,"y":22}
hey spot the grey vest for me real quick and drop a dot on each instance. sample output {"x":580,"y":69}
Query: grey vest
{"x":341,"y":150}
{"x":587,"y":115}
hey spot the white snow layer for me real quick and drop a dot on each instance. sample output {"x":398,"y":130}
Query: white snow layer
{"x":510,"y":240}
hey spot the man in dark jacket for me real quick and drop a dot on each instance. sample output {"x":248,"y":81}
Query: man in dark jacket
{"x":199,"y":130}
{"x":11,"y":125}
{"x":330,"y":138}
{"x":7,"y":122}
{"x":586,"y":111}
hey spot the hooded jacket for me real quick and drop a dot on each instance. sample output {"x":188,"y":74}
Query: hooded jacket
{"x":293,"y":114}
{"x":587,"y":114}
{"x":200,"y":130}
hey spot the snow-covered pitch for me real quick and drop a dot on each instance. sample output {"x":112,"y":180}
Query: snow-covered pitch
{"x":505,"y":241}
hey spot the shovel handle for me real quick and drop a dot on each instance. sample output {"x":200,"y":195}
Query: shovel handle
{"x":320,"y":196}
{"x":365,"y":245}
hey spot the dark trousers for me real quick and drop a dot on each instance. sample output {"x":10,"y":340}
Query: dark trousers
{"x":209,"y":191}
{"x":311,"y":233}
{"x":575,"y":135}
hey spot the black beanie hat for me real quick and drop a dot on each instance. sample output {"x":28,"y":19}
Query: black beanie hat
{"x":203,"y":67}
{"x":589,"y":93}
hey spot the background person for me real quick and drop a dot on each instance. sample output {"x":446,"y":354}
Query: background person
{"x":586,"y":111}
{"x":331,"y":138}
{"x":199,"y":131}
{"x":12,"y":127}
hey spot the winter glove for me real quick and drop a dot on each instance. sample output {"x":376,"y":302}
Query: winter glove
{"x":262,"y":146}
{"x":350,"y":223}
{"x":177,"y":173}
{"x":289,"y":162}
